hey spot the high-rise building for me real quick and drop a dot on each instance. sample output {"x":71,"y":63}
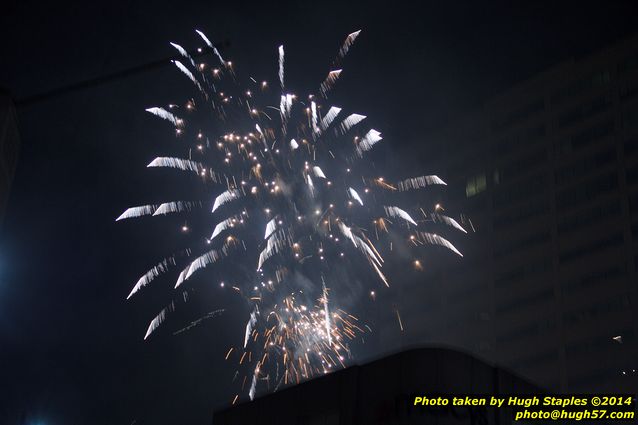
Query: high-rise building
{"x":547,"y":177}
{"x":9,"y":144}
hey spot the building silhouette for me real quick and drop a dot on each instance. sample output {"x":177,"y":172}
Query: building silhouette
{"x":546,"y":175}
{"x":383,"y":391}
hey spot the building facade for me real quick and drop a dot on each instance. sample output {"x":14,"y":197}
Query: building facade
{"x":546,"y":175}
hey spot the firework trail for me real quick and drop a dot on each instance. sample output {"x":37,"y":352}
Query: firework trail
{"x":289,"y":196}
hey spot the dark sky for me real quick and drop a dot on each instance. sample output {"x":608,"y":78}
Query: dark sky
{"x":71,"y":349}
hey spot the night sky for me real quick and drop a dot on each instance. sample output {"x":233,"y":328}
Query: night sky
{"x":71,"y":349}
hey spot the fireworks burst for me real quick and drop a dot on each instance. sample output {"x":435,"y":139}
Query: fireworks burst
{"x":292,"y":197}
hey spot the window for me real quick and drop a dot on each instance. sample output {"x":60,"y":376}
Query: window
{"x":628,"y":93}
{"x":527,"y":331}
{"x":526,"y":301}
{"x":597,"y":310}
{"x":631,"y":175}
{"x":630,"y":118}
{"x":530,"y":241}
{"x":475,"y":185}
{"x":521,"y":191}
{"x":588,"y":217}
{"x":578,"y":87}
{"x":628,"y":64}
{"x":522,"y":213}
{"x":584,"y":111}
{"x":521,"y":139}
{"x":523,"y":164}
{"x":518,"y":115}
{"x":468,"y":294}
{"x":463,"y":318}
{"x":586,"y":191}
{"x":592,"y":134}
{"x":584,"y":138}
{"x":527,"y":270}
{"x":631,"y":146}
{"x":633,"y":204}
{"x":590,"y":248}
{"x":584,"y":166}
{"x":601,"y":276}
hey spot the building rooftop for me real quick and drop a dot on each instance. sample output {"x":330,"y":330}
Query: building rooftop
{"x":383,"y":391}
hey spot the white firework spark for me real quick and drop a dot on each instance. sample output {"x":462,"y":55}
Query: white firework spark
{"x":175,"y":207}
{"x":419,"y":182}
{"x":329,"y":82}
{"x":348,"y":43}
{"x":330,"y":116}
{"x":349,"y":122}
{"x":184,"y":53}
{"x":164,"y":114}
{"x":398,"y":212}
{"x":191,"y":77}
{"x":160,"y":268}
{"x":355,"y":195}
{"x":134,"y":212}
{"x":371,"y":138}
{"x":225,"y":197}
{"x":182,"y":164}
{"x":281,"y":66}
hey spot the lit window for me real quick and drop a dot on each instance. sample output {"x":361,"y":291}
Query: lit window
{"x":475,"y":185}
